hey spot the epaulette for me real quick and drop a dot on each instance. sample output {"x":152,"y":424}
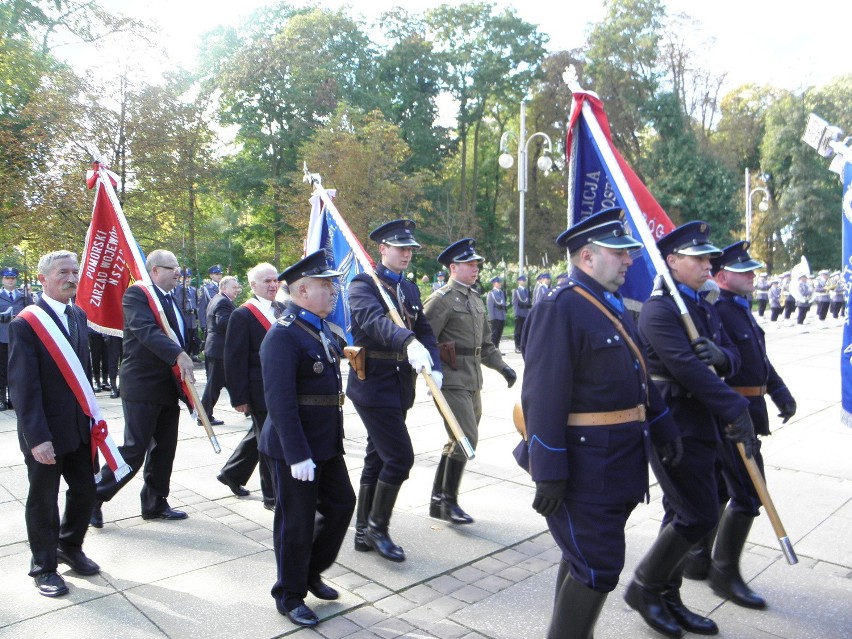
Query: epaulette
{"x":553,"y":293}
{"x":446,"y":288}
{"x":286,"y":320}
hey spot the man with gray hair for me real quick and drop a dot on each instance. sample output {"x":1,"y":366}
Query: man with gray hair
{"x":218,"y":313}
{"x":54,"y":431}
{"x":150,"y":390}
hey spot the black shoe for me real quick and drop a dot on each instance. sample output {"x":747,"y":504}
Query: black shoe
{"x":300,"y":615}
{"x":97,"y":519}
{"x":216,"y":422}
{"x":321,"y":590}
{"x":115,"y":394}
{"x":238,"y":490}
{"x":78,"y":562}
{"x":269,"y":504}
{"x":105,"y":386}
{"x":50,"y":584}
{"x":168,"y":513}
{"x":3,"y":405}
{"x":686,"y":619}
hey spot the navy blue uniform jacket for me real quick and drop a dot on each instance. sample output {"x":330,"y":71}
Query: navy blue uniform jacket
{"x":577,"y":362}
{"x":48,"y":409}
{"x":701,"y":402}
{"x":294,"y":363}
{"x":756,"y":369}
{"x":389,"y":382}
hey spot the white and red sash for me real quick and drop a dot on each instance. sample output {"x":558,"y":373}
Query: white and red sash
{"x":72,"y":371}
{"x":254,"y":306}
{"x":163,"y":323}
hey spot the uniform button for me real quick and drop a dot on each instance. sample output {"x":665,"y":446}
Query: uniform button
{"x":608,"y":341}
{"x":645,"y":433}
{"x":582,"y":439}
{"x":643,"y":386}
{"x":617,"y":338}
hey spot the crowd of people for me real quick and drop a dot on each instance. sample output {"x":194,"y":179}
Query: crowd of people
{"x":683,"y":394}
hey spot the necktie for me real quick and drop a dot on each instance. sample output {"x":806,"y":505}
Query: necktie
{"x":72,"y":326}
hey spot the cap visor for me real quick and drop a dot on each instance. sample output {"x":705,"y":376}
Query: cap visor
{"x":701,"y":250}
{"x":743,"y":267}
{"x":402,"y":243}
{"x":622,"y":242}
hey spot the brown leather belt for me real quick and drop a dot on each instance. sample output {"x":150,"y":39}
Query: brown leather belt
{"x":400,"y":357}
{"x":750,"y":391}
{"x":321,"y":400}
{"x":474,"y":352}
{"x":636,"y":414}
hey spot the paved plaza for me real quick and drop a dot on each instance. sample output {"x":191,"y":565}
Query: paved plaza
{"x":210,"y":576}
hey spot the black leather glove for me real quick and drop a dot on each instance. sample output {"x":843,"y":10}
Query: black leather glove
{"x":709,"y":353}
{"x":549,"y":496}
{"x":787,"y":411}
{"x":741,"y":430}
{"x":671,"y":452}
{"x":509,"y":375}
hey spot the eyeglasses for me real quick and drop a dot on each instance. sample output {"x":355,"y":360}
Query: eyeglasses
{"x":171,"y":268}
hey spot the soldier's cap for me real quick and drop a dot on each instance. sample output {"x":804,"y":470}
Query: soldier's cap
{"x":314,"y":265}
{"x":805,"y":275}
{"x":496,"y":279}
{"x":521,"y":278}
{"x":735,"y":258}
{"x":692,"y":238}
{"x":824,"y":272}
{"x":216,"y":268}
{"x":461,"y":251}
{"x":186,"y":272}
{"x":440,"y":274}
{"x":562,"y":276}
{"x":604,"y":228}
{"x":9,"y":271}
{"x":396,"y":233}
{"x":543,"y":276}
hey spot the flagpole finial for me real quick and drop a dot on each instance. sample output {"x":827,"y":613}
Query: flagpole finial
{"x":313,"y":179}
{"x":97,"y":156}
{"x":569,"y":76}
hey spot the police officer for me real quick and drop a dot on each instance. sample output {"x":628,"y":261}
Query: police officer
{"x":206,"y":293}
{"x":734,"y":272}
{"x":303,"y":438}
{"x":185,"y":299}
{"x":521,"y":305}
{"x":458,"y":319}
{"x":12,"y":302}
{"x":542,"y":287}
{"x":440,"y":280}
{"x":822,"y":296}
{"x":761,"y":293}
{"x":394,"y":356}
{"x":586,"y":421}
{"x":803,"y":300}
{"x":705,"y":409}
{"x":495,"y":304}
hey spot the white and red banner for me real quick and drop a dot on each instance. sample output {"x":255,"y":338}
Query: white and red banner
{"x":72,"y":371}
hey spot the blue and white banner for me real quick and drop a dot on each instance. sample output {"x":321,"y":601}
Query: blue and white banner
{"x":846,"y":352}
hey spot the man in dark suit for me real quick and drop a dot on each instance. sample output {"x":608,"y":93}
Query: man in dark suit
{"x":53,"y":430}
{"x":303,"y":437}
{"x":12,"y":302}
{"x":150,"y":391}
{"x":244,"y":379}
{"x":218,"y":313}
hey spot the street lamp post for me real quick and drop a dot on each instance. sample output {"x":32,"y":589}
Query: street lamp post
{"x":506,"y":160}
{"x":763,"y":206}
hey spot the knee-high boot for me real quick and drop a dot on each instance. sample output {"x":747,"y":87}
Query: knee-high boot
{"x":450,"y":509}
{"x":645,"y":592}
{"x":697,"y":563}
{"x":686,"y":618}
{"x":576,"y":611}
{"x":438,"y":489}
{"x":561,"y":575}
{"x":362,"y":512}
{"x":376,"y":535}
{"x":725,"y":578}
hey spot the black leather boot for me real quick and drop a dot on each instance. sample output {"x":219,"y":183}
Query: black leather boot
{"x":450,"y":509}
{"x":376,"y":535}
{"x":438,"y":489}
{"x":686,"y":619}
{"x":561,"y":575}
{"x":697,"y":563}
{"x":365,"y":504}
{"x":645,"y":592}
{"x":725,"y":578}
{"x":3,"y":404}
{"x":576,"y":611}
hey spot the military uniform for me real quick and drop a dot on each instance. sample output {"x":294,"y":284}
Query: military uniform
{"x":457,"y":316}
{"x":838,"y":295}
{"x":185,"y":299}
{"x":761,"y":294}
{"x":495,"y":303}
{"x":587,"y":432}
{"x":521,"y":305}
{"x":11,"y":304}
{"x":822,"y":296}
{"x":300,"y":361}
{"x":542,"y":288}
{"x":206,"y":293}
{"x":383,"y":398}
{"x":775,"y":306}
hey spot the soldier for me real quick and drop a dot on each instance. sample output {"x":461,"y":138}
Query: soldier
{"x":787,"y":298}
{"x":12,"y":302}
{"x":838,"y":295}
{"x":457,"y":316}
{"x":206,"y":293}
{"x":734,"y":272}
{"x":803,"y":300}
{"x":542,"y":287}
{"x":440,"y":280}
{"x":822,"y":296}
{"x":521,"y":305}
{"x":303,"y":438}
{"x":595,"y":382}
{"x":702,"y":406}
{"x":185,"y":298}
{"x":394,"y":356}
{"x":495,"y":304}
{"x":775,"y":306}
{"x":761,"y":293}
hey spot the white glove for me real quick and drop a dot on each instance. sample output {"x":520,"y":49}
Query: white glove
{"x":419,"y":357}
{"x":304,"y":470}
{"x":438,"y":376}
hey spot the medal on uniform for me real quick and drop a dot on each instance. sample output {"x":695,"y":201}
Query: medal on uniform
{"x":318,"y":367}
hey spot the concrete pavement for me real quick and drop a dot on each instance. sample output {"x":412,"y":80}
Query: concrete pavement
{"x":209,"y":576}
